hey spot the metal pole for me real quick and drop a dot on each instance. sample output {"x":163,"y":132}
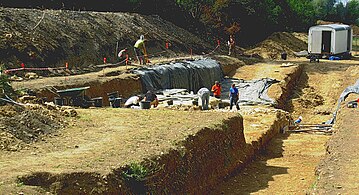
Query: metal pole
{"x":116,"y":52}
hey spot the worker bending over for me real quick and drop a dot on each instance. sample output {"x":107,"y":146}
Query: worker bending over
{"x":150,"y":96}
{"x":203,"y":94}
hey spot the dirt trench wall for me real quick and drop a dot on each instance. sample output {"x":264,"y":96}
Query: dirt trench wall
{"x":282,"y":91}
{"x":193,"y":167}
{"x":126,"y":87}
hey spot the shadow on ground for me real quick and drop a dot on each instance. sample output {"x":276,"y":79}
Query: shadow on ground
{"x":258,"y":174}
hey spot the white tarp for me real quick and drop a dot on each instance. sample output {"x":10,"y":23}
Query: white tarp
{"x":351,"y":89}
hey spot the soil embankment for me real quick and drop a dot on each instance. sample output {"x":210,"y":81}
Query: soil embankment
{"x":337,"y":173}
{"x":50,"y":38}
{"x":203,"y":159}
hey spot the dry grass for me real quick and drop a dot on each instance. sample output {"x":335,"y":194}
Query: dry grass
{"x":102,"y":139}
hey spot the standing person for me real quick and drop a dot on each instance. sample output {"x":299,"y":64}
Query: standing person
{"x":133,"y":101}
{"x":151,"y":97}
{"x":139,"y":49}
{"x":216,"y":89}
{"x":233,"y":96}
{"x":203,"y":94}
{"x":231,"y":45}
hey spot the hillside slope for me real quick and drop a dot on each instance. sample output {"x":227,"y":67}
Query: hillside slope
{"x":49,"y":38}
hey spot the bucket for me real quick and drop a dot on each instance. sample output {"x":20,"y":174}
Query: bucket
{"x":58,"y":101}
{"x":112,"y":96}
{"x":116,"y":103}
{"x":97,"y":101}
{"x":221,"y":105}
{"x":145,"y":104}
{"x":283,"y":56}
{"x":170,"y":102}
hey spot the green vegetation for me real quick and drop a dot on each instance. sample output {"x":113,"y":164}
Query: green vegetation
{"x":135,"y":175}
{"x":135,"y":172}
{"x":355,"y":43}
{"x":5,"y":87}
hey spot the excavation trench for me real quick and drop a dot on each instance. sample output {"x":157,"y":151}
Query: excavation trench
{"x":197,"y":163}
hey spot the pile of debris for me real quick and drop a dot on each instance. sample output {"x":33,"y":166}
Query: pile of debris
{"x":23,"y":125}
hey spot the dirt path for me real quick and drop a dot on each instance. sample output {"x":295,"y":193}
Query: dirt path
{"x":288,"y":165}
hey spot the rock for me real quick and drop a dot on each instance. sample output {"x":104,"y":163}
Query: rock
{"x":31,"y":75}
{"x":70,"y":112}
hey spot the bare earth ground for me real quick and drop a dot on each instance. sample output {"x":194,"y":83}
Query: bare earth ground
{"x":102,"y":139}
{"x":287,"y":167}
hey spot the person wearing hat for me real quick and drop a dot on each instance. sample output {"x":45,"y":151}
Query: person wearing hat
{"x":139,"y":49}
{"x":216,"y":89}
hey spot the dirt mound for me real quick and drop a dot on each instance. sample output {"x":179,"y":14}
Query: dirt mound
{"x":49,"y":38}
{"x":23,"y":125}
{"x":278,"y":43}
{"x":355,"y":30}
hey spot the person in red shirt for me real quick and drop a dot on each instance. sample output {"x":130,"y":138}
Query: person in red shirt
{"x":216,"y":89}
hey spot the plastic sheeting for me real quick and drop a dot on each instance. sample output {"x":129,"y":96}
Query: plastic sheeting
{"x":351,"y":89}
{"x":190,"y":75}
{"x":250,"y":92}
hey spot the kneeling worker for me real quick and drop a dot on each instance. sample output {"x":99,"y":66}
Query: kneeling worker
{"x":151,"y":97}
{"x":133,"y":101}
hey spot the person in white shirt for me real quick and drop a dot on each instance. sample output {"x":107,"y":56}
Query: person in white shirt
{"x":203,"y":94}
{"x":133,"y":101}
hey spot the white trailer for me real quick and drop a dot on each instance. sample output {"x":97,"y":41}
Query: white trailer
{"x":330,"y":40}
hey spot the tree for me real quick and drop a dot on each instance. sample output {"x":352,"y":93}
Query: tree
{"x":195,"y":7}
{"x":353,"y":12}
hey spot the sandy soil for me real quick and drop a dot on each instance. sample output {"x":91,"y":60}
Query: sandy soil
{"x":103,"y":139}
{"x":288,"y":165}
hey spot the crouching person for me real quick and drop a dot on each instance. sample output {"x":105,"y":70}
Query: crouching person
{"x":203,"y":94}
{"x":150,"y":96}
{"x":133,"y":101}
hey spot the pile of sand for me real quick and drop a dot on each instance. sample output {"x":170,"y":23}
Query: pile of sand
{"x":278,"y":43}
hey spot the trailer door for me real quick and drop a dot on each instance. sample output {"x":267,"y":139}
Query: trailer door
{"x":315,"y":42}
{"x":326,"y":41}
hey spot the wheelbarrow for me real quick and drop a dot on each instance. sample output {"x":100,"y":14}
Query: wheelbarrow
{"x":74,"y":97}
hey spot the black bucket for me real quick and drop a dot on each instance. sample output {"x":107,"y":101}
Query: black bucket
{"x":59,"y":101}
{"x":145,"y":104}
{"x":283,"y":56}
{"x":116,"y":103}
{"x":221,"y":105}
{"x":98,"y":102}
{"x":170,"y":102}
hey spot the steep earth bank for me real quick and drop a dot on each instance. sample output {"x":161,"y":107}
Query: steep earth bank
{"x":50,"y":38}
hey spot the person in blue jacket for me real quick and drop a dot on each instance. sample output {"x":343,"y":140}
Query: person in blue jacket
{"x":233,"y":96}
